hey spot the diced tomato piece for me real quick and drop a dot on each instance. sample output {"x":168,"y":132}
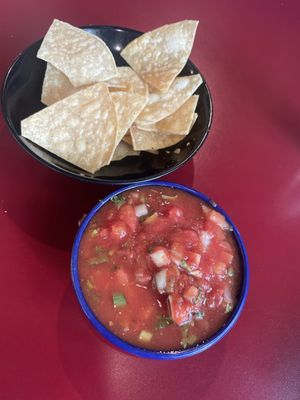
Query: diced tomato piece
{"x":220,"y":268}
{"x":177,"y":250}
{"x":215,"y":230}
{"x":228,"y":298}
{"x":226,"y":246}
{"x":187,"y":238}
{"x":176,"y":214}
{"x":104,"y":233}
{"x":218,"y":219}
{"x":119,"y":230}
{"x":191,"y":293}
{"x":204,"y":285}
{"x":100,"y":279}
{"x":206,"y":209}
{"x":193,"y":259}
{"x":127,"y":215}
{"x":176,"y":259}
{"x":156,"y":224}
{"x":226,"y":257}
{"x":142,"y":276}
{"x":215,"y":298}
{"x":172,"y":276}
{"x":180,"y":254}
{"x":180,"y":309}
{"x":122,"y":276}
{"x":160,"y":256}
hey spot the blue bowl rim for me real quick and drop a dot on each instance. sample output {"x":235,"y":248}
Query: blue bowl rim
{"x":138,"y":351}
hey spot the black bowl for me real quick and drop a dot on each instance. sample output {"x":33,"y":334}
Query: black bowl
{"x":21,"y":97}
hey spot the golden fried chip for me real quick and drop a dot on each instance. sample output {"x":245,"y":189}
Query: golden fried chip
{"x":123,"y":150}
{"x":127,"y":80}
{"x":178,"y":123}
{"x":147,"y":140}
{"x":127,"y":138}
{"x":84,"y":58}
{"x":56,"y":85}
{"x":128,"y":106}
{"x":159,"y":55}
{"x":160,"y":105}
{"x":81,"y":129}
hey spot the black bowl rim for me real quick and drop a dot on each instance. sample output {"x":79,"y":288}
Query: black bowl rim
{"x":84,"y":178}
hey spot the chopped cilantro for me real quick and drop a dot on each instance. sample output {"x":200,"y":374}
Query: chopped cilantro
{"x":119,"y":300}
{"x":228,"y":308}
{"x":118,"y":200}
{"x":184,"y":265}
{"x":199,"y":296}
{"x":198,"y":315}
{"x":163,"y":322}
{"x":89,"y":284}
{"x":102,"y":258}
{"x":94,"y":232}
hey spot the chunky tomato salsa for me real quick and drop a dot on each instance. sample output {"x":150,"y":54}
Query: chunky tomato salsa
{"x":159,"y":268}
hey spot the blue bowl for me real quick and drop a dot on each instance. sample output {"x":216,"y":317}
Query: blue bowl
{"x":139,"y":351}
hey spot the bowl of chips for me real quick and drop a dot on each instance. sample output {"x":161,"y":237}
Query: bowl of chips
{"x":108,"y":104}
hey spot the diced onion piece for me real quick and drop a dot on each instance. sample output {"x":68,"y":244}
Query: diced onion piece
{"x":220,"y":268}
{"x":218,"y":219}
{"x":228,"y":308}
{"x":145,"y":336}
{"x":166,"y":197}
{"x":228,"y":295}
{"x":205,"y":238}
{"x":142,"y":276}
{"x":161,"y":280}
{"x":141,"y":210}
{"x":151,"y":218}
{"x":206,"y":209}
{"x":191,"y":339}
{"x":160,"y":258}
{"x":197,"y":273}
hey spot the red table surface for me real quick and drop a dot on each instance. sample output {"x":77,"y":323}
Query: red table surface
{"x":250,"y":164}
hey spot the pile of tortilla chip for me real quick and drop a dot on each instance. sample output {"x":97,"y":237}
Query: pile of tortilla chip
{"x":97,"y":112}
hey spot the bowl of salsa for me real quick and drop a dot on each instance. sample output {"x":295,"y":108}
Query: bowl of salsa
{"x":160,"y":270}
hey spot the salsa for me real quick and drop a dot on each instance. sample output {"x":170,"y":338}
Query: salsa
{"x":159,"y":268}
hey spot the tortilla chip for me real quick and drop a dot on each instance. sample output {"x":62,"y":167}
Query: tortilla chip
{"x":82,"y":57}
{"x":127,"y":80}
{"x":159,"y":55}
{"x":81,"y":128}
{"x":57,"y":86}
{"x":160,"y":105}
{"x":127,"y":138}
{"x":194,"y":120}
{"x":178,"y":123}
{"x":128,"y":106}
{"x":146,"y":140}
{"x":123,"y":150}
